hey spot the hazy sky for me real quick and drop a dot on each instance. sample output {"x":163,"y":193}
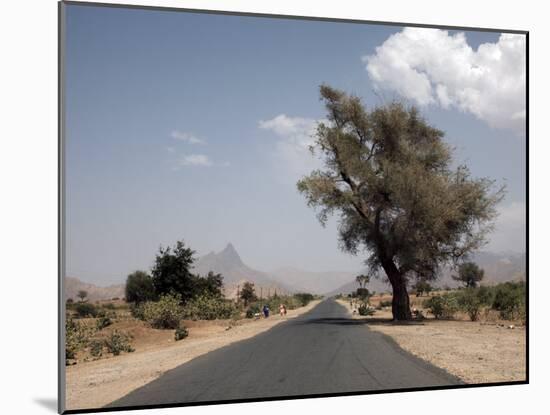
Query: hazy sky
{"x":195,"y":127}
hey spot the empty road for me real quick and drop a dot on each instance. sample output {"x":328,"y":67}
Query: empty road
{"x":322,"y":351}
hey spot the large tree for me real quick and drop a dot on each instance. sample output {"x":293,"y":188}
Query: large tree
{"x":171,"y":272}
{"x":139,"y":287}
{"x":389,"y":175}
{"x":469,"y":274}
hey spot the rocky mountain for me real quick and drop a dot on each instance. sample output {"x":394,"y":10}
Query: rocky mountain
{"x":95,"y":293}
{"x":235,"y":272}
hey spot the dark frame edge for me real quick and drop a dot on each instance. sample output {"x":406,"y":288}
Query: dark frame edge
{"x":61,"y":375}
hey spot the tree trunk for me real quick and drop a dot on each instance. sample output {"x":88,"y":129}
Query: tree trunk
{"x":400,"y":306}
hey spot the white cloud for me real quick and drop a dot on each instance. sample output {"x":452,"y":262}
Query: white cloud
{"x":432,"y":67}
{"x":295,"y":137}
{"x":195,"y":160}
{"x":186,"y":137}
{"x":510,"y":228}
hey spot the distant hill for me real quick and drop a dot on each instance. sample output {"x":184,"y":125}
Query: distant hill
{"x":499,"y":267}
{"x":95,"y":293}
{"x":235,"y":272}
{"x":313,"y":282}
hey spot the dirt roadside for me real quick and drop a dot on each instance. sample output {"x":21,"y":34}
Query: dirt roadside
{"x":97,"y":383}
{"x":476,"y":352}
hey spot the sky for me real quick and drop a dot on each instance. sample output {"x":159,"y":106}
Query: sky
{"x":196,"y":127}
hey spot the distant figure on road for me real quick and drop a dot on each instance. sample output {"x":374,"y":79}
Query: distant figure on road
{"x":281,"y":310}
{"x":284,"y":309}
{"x":266,"y":311}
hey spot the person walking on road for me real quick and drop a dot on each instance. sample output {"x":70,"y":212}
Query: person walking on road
{"x":266,"y":311}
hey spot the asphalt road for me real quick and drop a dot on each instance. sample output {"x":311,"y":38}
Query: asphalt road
{"x":323,"y":351}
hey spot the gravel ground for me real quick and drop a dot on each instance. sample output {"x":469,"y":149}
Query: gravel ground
{"x":97,"y":383}
{"x":476,"y":352}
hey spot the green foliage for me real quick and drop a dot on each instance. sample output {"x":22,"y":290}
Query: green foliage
{"x":469,"y":274}
{"x":304,"y":298}
{"x":248,"y":293}
{"x":85,"y":310}
{"x":171,"y":273}
{"x":139,"y":287}
{"x":365,"y":310}
{"x":362,"y":280}
{"x":165,"y":313}
{"x":391,"y":178}
{"x":118,"y":342}
{"x":471,"y":301}
{"x":180,"y":333}
{"x":109,"y":306}
{"x":509,"y":300}
{"x":96,"y":347}
{"x":422,"y":286}
{"x":103,"y":322}
{"x":205,"y":307}
{"x":385,"y":303}
{"x":77,"y":336}
{"x":252,"y":310}
{"x":211,"y":285}
{"x":442,"y":306}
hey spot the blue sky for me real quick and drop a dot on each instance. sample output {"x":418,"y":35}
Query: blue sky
{"x":193,"y":126}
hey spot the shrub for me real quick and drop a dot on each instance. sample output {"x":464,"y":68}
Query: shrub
{"x":109,"y":306}
{"x":181,"y":333}
{"x":163,"y":314}
{"x":252,"y":310}
{"x":209,"y":308}
{"x":118,"y":342}
{"x":385,"y":303}
{"x":442,"y":306}
{"x":139,"y":287}
{"x":77,"y":336}
{"x":137,"y":311}
{"x":96,"y":348}
{"x":103,"y":322}
{"x":304,"y":298}
{"x":365,"y":310}
{"x":470,"y":302}
{"x":85,"y":310}
{"x":509,"y":300}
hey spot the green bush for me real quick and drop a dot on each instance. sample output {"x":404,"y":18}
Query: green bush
{"x":470,"y":302}
{"x":181,"y":333}
{"x":304,"y":298}
{"x":509,"y":300}
{"x":442,"y":306}
{"x":252,"y":310}
{"x":137,"y":311}
{"x":165,"y":313}
{"x":77,"y":336}
{"x":118,"y":342}
{"x":85,"y":310}
{"x":109,"y":306}
{"x":209,"y":308}
{"x":96,"y":348}
{"x":385,"y":303}
{"x":103,"y":322}
{"x":365,"y":310}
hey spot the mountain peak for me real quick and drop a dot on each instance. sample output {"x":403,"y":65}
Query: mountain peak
{"x":230,"y":254}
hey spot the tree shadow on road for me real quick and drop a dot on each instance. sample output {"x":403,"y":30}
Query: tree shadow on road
{"x":361,"y":322}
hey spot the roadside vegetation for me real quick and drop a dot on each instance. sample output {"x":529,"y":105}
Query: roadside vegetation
{"x":165,"y":300}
